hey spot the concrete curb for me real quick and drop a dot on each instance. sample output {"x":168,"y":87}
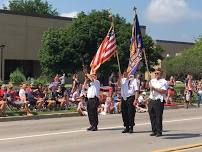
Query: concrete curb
{"x":36,"y":117}
{"x":60,"y":115}
{"x":178,"y":106}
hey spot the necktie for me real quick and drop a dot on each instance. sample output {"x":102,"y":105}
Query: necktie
{"x":129,"y":84}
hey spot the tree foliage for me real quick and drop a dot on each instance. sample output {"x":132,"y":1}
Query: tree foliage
{"x":39,"y":7}
{"x":189,"y":62}
{"x":153,"y":53}
{"x":69,"y":48}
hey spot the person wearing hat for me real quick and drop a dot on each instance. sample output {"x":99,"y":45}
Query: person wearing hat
{"x":92,"y":100}
{"x":142,"y":105}
{"x":158,"y":90}
{"x":129,"y":94}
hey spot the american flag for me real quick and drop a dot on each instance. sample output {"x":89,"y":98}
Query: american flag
{"x":135,"y":48}
{"x":106,"y":50}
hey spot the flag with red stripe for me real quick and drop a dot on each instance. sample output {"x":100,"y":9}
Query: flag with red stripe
{"x":106,"y":50}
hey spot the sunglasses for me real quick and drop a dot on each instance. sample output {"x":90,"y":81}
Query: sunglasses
{"x":156,"y":73}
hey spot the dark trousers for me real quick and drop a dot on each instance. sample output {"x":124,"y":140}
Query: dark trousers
{"x":92,"y":106}
{"x":128,"y":111}
{"x":155,"y":109}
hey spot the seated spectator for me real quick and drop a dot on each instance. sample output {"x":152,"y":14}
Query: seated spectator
{"x":75,"y":96}
{"x":49,"y":98}
{"x":30,"y":94}
{"x":3,"y":91}
{"x":62,"y":97}
{"x":82,"y":106}
{"x":40,"y":98}
{"x":23,"y":100}
{"x":109,"y":105}
{"x":100,"y":109}
{"x":2,"y":108}
{"x":105,"y":106}
{"x":142,"y":105}
{"x":117,"y":103}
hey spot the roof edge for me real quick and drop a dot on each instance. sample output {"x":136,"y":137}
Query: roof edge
{"x":35,"y":15}
{"x":178,"y":42}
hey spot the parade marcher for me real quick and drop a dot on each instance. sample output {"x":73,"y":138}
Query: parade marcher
{"x":129,"y":93}
{"x":93,"y":101}
{"x":158,"y":89}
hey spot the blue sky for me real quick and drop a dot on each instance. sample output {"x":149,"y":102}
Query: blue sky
{"x":177,"y":20}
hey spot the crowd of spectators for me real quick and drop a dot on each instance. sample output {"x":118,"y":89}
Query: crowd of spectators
{"x":56,"y":95}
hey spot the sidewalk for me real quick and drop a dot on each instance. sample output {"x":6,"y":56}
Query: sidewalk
{"x":70,"y":114}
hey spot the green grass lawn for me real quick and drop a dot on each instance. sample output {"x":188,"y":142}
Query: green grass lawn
{"x":16,"y":112}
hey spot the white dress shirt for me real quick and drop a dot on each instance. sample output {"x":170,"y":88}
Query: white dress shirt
{"x":94,"y":89}
{"x":124,"y":88}
{"x":159,"y":84}
{"x":133,"y":87}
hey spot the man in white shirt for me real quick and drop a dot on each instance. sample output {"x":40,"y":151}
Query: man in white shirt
{"x":129,"y":93}
{"x":93,"y":101}
{"x":158,"y":90}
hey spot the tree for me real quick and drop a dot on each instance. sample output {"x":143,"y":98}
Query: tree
{"x":189,"y":62}
{"x":56,"y":56}
{"x":31,"y":7}
{"x":153,"y":53}
{"x":77,"y":44}
{"x":81,"y":42}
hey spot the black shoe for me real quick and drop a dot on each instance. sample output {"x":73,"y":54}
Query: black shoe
{"x":158,"y":134}
{"x":131,"y":130}
{"x":153,"y":134}
{"x":126,"y":130}
{"x":94,"y":129}
{"x":89,"y":128}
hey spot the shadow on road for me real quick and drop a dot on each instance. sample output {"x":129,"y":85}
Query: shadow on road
{"x":109,"y":129}
{"x":181,"y":136}
{"x":149,"y":131}
{"x":135,"y":131}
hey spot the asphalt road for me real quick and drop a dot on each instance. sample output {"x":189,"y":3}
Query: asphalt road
{"x":182,"y":128}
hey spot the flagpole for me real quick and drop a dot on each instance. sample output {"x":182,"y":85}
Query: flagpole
{"x":112,"y":24}
{"x":146,"y":62}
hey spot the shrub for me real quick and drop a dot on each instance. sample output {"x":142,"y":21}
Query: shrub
{"x":41,"y":80}
{"x":17,"y":76}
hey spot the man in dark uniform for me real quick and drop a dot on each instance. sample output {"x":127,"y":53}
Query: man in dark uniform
{"x":93,"y":101}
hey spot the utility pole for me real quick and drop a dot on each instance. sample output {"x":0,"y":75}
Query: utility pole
{"x":2,"y":49}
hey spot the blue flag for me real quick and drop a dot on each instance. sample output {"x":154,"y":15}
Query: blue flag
{"x":135,"y":48}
